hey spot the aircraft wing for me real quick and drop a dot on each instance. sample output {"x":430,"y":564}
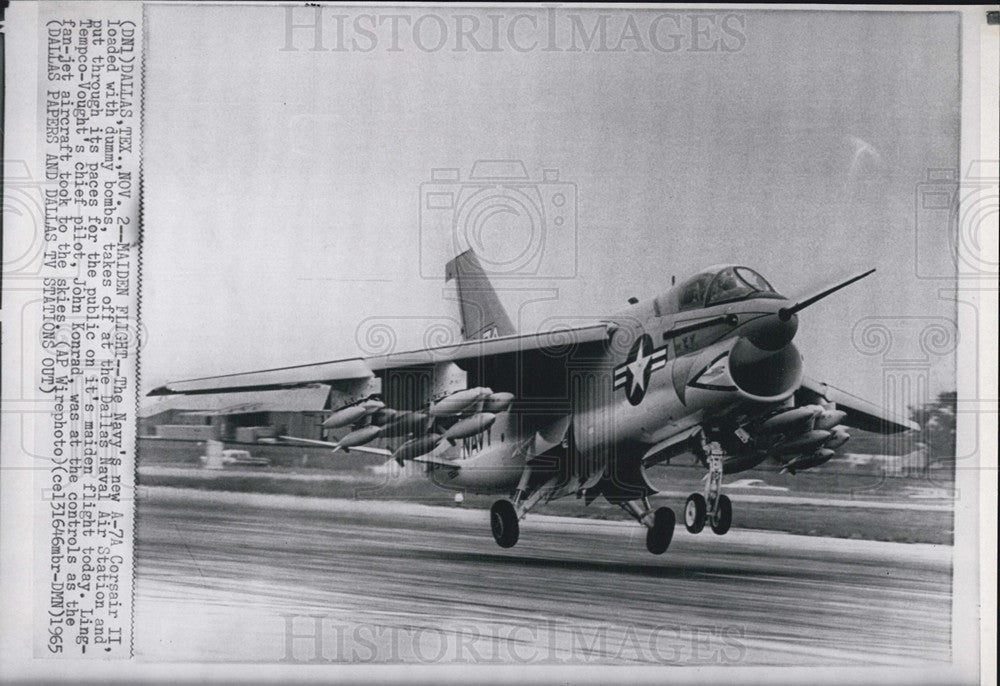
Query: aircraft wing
{"x":328,"y":444}
{"x":860,"y":413}
{"x":270,"y":379}
{"x":438,"y":462}
{"x":492,"y":359}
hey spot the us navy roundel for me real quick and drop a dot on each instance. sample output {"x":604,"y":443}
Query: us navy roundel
{"x":642,"y":361}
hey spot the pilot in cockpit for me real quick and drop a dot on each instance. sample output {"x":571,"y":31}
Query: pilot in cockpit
{"x":717,"y":286}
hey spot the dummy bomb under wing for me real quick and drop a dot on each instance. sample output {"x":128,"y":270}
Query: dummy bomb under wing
{"x":805,"y":442}
{"x":821,"y":456}
{"x":828,"y":419}
{"x":470,"y":426}
{"x":837,"y":438}
{"x":416,"y":447}
{"x":352,"y":414}
{"x":407,"y":423}
{"x":792,"y":421}
{"x":498,"y":402}
{"x":365,"y":434}
{"x":459,"y":402}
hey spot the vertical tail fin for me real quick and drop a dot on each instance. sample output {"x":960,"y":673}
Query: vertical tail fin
{"x":482,"y":314}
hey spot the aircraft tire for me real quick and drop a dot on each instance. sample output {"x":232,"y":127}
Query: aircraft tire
{"x":695,"y":513}
{"x":723,"y":518}
{"x":503,"y":522}
{"x":658,"y":536}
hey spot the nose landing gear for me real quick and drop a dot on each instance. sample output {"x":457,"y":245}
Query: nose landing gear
{"x":713,"y":508}
{"x":695,"y":513}
{"x":723,"y":517}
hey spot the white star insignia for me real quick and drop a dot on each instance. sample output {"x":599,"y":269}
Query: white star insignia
{"x":637,"y":368}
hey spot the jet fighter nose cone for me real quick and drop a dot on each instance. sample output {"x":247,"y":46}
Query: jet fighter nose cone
{"x":773,"y":332}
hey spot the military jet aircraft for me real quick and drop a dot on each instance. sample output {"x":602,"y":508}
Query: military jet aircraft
{"x":707,"y":367}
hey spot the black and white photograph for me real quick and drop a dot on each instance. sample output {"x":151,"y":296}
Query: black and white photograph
{"x":507,"y":342}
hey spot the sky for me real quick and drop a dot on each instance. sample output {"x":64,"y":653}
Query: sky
{"x":287,"y":192}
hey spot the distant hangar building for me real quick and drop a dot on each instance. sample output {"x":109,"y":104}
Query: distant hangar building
{"x":243,"y":417}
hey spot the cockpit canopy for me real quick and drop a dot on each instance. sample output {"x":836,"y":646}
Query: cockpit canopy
{"x":721,"y":285}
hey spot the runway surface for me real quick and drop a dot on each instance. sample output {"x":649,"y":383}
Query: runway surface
{"x":249,"y":577}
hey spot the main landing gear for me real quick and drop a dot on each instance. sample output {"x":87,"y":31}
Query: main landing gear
{"x":659,"y":524}
{"x":713,"y":508}
{"x":659,"y":535}
{"x":503,"y":522}
{"x":505,"y":514}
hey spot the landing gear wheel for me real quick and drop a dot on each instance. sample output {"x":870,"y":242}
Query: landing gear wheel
{"x":723,"y":515}
{"x":503,"y":522}
{"x":659,"y":535}
{"x":695,"y":513}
